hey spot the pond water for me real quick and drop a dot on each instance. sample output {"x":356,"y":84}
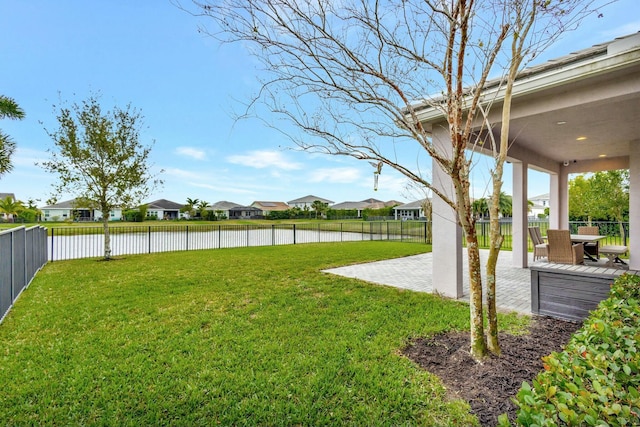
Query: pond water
{"x":61,"y":247}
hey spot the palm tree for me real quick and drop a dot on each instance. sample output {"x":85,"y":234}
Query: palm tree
{"x":202,"y":208}
{"x":189,"y":207}
{"x":319,"y":207}
{"x":505,"y":204}
{"x":480,"y":208}
{"x":9,"y":109}
{"x":11,"y":207}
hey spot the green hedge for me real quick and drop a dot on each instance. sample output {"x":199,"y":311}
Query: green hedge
{"x":596,"y":380}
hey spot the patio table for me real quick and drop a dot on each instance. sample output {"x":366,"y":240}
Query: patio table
{"x":587,"y":238}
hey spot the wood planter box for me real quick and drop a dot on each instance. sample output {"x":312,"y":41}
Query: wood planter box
{"x":569,"y":292}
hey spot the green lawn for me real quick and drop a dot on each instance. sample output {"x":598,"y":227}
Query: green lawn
{"x":249,"y":336}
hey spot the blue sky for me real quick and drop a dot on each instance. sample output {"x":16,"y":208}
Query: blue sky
{"x":150,"y":54}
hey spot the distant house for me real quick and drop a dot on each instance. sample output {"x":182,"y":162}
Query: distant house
{"x":374,"y":203}
{"x":70,"y":210}
{"x":164,"y":209}
{"x":307,"y":202}
{"x":411,"y":210}
{"x":351,"y":206}
{"x":540,"y":204}
{"x":245,"y":212}
{"x":365,"y":204}
{"x":266,"y":207}
{"x":223,"y":208}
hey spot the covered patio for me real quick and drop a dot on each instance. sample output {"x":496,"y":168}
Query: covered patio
{"x":579,"y":113}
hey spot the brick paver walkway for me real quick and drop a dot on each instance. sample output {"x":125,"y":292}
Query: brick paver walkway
{"x":414,"y":273}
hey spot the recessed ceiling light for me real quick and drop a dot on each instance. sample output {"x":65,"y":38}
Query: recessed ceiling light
{"x":561,"y":123}
{"x":602,"y":155}
{"x":581,"y":138}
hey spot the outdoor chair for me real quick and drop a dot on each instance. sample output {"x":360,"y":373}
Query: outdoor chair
{"x":539,"y":246}
{"x":593,"y":248}
{"x":561,"y":250}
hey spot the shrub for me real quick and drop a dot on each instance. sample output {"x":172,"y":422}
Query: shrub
{"x":133,"y":215}
{"x":595,"y":380}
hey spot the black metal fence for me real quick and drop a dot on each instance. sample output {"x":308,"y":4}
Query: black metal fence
{"x":23,"y":251}
{"x":83,"y":242}
{"x":617,"y":233}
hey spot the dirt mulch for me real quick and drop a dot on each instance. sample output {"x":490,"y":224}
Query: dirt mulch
{"x":489,"y":386}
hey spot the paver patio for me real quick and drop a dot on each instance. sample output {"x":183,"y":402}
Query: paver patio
{"x":414,"y":273}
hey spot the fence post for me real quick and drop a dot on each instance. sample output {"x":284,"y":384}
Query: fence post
{"x":187,"y":236}
{"x":425,"y":232}
{"x":25,"y":271}
{"x":52,"y":253}
{"x":273,"y":235}
{"x":149,"y":232}
{"x":294,"y":234}
{"x":13,"y":273}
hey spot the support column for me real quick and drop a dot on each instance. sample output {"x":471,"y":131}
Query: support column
{"x":554,"y":201}
{"x":446,"y":233}
{"x":563,"y":196}
{"x":634,"y":204}
{"x":559,"y":200}
{"x":520,"y":210}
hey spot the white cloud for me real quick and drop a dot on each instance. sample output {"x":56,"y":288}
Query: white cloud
{"x":337,"y":175}
{"x":191,"y":152}
{"x":29,"y":157}
{"x":261,"y":159}
{"x":229,"y":189}
{"x":396,"y":184}
{"x":182,"y":174}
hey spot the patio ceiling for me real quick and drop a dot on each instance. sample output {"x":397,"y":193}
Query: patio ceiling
{"x":584,"y":106}
{"x":591,"y":118}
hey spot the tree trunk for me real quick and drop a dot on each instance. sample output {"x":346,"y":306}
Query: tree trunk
{"x":107,"y":237}
{"x":478,"y":343}
{"x":492,"y":314}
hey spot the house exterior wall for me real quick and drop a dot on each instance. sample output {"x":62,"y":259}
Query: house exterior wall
{"x":67,"y":214}
{"x":301,"y":205}
{"x":56,"y":214}
{"x":164,"y":213}
{"x":408,"y":213}
{"x":114,"y":215}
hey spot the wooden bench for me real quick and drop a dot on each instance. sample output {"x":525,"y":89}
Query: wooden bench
{"x":613,"y":252}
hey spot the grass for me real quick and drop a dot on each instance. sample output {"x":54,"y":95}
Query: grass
{"x":249,"y":336}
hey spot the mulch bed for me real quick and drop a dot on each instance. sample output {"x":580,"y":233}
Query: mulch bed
{"x":490,"y":386}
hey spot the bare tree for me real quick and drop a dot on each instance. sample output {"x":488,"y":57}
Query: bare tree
{"x":354,"y":76}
